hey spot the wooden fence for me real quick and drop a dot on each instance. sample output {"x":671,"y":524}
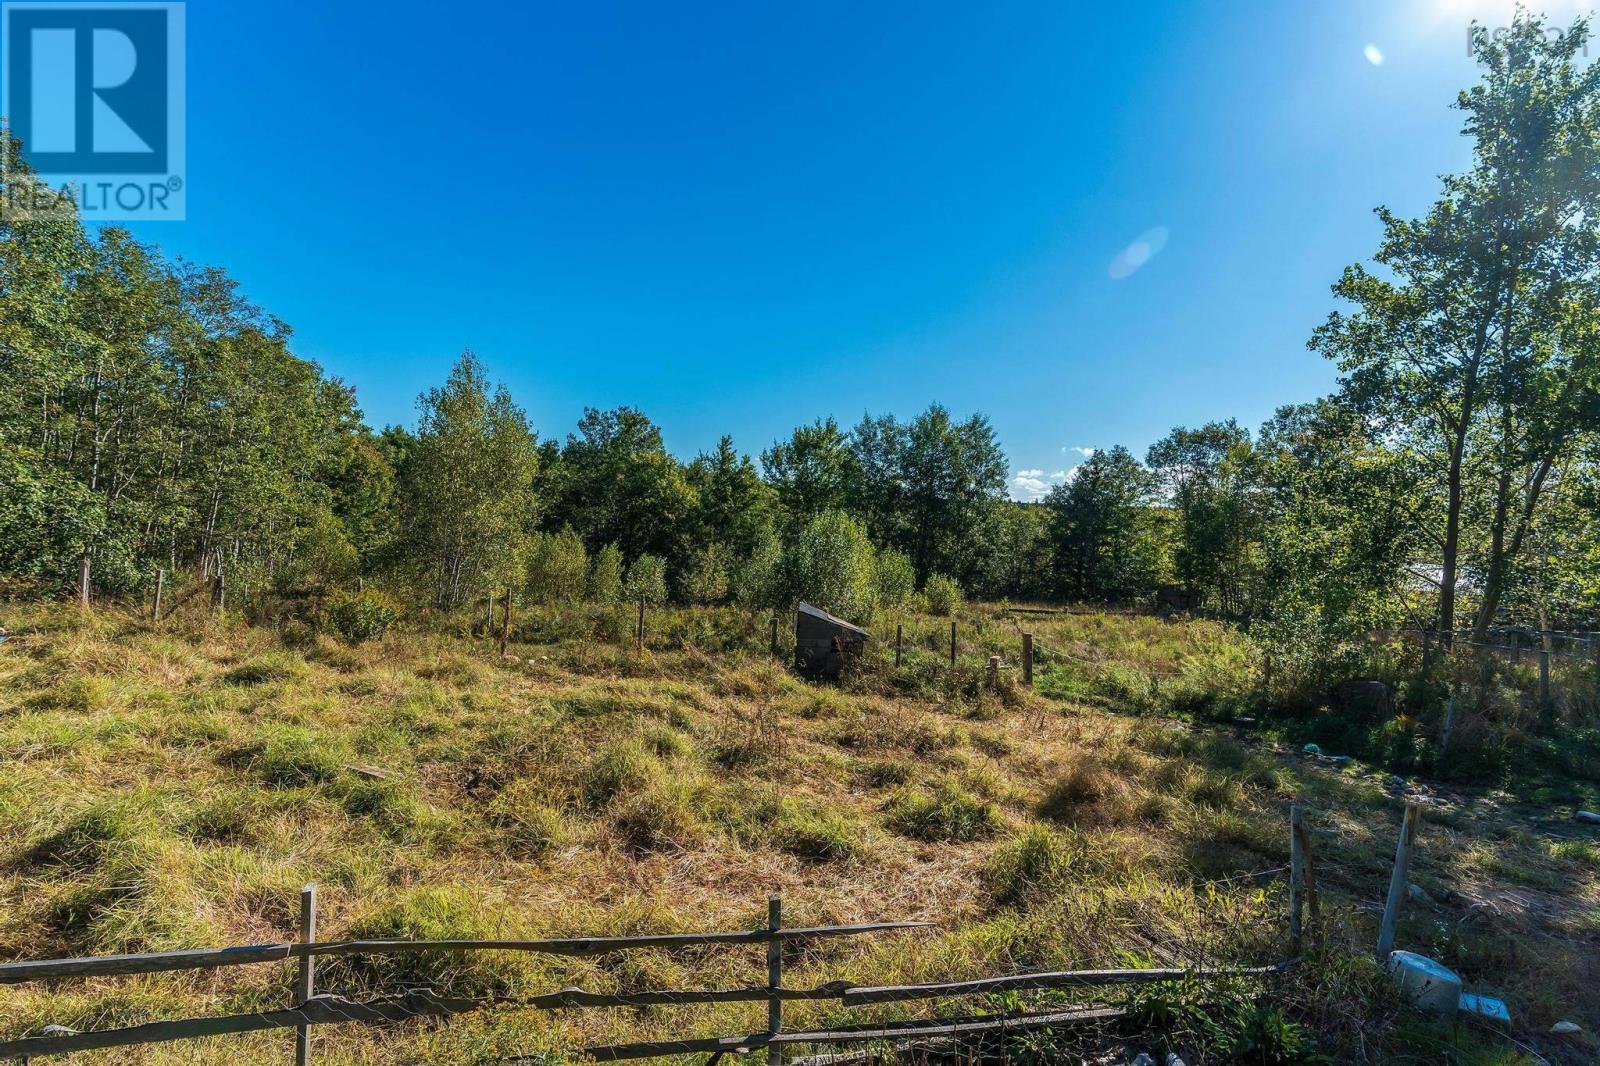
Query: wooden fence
{"x":312,"y":1009}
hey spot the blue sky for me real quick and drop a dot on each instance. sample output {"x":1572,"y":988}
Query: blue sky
{"x":744,"y":216}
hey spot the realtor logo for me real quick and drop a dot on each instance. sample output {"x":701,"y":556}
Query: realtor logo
{"x":94,"y":93}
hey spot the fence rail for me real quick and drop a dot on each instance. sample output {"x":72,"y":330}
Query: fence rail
{"x":312,"y":1009}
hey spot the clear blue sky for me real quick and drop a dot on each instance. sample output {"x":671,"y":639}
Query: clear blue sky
{"x":744,"y":216}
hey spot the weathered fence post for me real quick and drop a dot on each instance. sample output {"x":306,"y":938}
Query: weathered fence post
{"x":638,"y":635}
{"x":952,"y":644}
{"x":155,"y":608}
{"x":1027,"y":658}
{"x":899,"y":640}
{"x":994,"y":671}
{"x":1397,"y":879}
{"x":303,"y":988}
{"x":1296,"y":879}
{"x":83,"y":582}
{"x":505,"y":627}
{"x":1544,"y":679}
{"x":774,"y":979}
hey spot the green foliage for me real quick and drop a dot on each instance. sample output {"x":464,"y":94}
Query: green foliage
{"x":647,"y":580}
{"x":947,"y":812}
{"x":468,"y":482}
{"x":605,"y":576}
{"x":895,"y":581}
{"x":361,"y":616}
{"x":706,"y":580}
{"x":830,"y":565}
{"x":558,"y":568}
{"x":941,"y":595}
{"x":1108,"y":543}
{"x":1036,"y":862}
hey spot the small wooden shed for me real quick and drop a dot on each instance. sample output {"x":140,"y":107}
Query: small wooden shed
{"x":823,"y":643}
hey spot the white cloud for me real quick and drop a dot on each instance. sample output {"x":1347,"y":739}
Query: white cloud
{"x":1033,"y":485}
{"x":1085,"y":452}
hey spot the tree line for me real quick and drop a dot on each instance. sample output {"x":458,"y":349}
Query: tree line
{"x":151,"y":416}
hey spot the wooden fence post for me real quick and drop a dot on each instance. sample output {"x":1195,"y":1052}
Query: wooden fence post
{"x":952,"y":644}
{"x":1027,"y":659}
{"x":994,"y":671}
{"x":83,"y":582}
{"x":1397,"y":880}
{"x":774,"y":979}
{"x":505,"y":627}
{"x":899,"y":638}
{"x":638,"y":636}
{"x":1296,"y":879}
{"x":155,"y":608}
{"x":304,"y":986}
{"x":1544,"y":679}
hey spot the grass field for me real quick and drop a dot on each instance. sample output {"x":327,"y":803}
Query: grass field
{"x":175,"y":785}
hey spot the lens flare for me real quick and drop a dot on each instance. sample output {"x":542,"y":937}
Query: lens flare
{"x":1141,"y":251}
{"x":1374,"y":55}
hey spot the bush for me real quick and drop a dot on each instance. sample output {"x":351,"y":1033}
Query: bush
{"x":830,"y":565}
{"x":896,"y":583}
{"x":941,"y":595}
{"x":647,"y":579}
{"x":757,"y":581}
{"x":558,"y":568}
{"x":359,"y":616}
{"x":605,"y":576}
{"x":947,"y":813}
{"x":707,"y":578}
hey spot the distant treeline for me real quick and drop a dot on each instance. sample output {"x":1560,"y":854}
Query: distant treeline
{"x":152,"y":417}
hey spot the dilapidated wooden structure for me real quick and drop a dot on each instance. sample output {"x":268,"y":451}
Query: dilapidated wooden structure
{"x":823,"y":643}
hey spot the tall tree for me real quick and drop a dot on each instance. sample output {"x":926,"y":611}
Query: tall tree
{"x":1105,"y":532}
{"x":469,"y":485}
{"x":1473,"y":349}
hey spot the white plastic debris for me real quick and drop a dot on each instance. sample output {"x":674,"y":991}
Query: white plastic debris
{"x":1431,"y":985}
{"x":1487,"y":1006}
{"x":1564,"y":1028}
{"x":1173,"y":1060}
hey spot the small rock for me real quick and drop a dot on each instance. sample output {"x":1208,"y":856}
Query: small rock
{"x":1173,"y":1060}
{"x":1565,"y":1028}
{"x":1587,"y":816}
{"x":1312,"y":749}
{"x":1418,"y":894}
{"x":1143,"y":1060}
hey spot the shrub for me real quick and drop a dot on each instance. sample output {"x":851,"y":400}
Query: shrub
{"x":1035,"y":862}
{"x":558,"y":568}
{"x":896,"y":580}
{"x":359,"y":616}
{"x":947,"y":812}
{"x":605,"y":576}
{"x":941,"y":595}
{"x":757,"y":581}
{"x":647,"y":579}
{"x":707,"y":578}
{"x":830,"y":565}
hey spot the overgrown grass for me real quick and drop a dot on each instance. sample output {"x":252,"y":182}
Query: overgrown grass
{"x":174,"y":786}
